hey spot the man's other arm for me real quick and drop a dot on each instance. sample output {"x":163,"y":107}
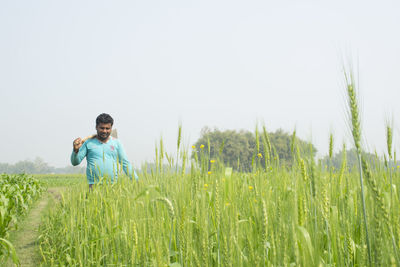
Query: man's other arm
{"x":126,"y":165}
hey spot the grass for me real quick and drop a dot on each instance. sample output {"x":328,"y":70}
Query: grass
{"x":25,"y":237}
{"x":17,"y":194}
{"x":58,"y":180}
{"x":21,"y":210}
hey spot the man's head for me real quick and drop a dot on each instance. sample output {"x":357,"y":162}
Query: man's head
{"x":104,"y":123}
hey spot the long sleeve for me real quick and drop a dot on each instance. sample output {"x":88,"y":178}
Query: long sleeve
{"x":76,"y":158}
{"x":126,"y":165}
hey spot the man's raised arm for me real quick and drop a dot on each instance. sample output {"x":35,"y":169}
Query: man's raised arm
{"x":79,"y":152}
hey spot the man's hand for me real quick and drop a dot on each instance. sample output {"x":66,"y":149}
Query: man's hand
{"x":77,"y":144}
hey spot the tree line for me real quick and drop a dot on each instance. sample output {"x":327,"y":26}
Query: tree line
{"x":236,"y":149}
{"x":37,"y":166}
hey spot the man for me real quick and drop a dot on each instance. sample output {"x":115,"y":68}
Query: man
{"x":104,"y":154}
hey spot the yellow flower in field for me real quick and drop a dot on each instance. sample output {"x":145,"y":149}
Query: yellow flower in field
{"x":259,"y":155}
{"x":201,"y":146}
{"x":255,"y":200}
{"x":227,"y":204}
{"x":250,"y":187}
{"x":212,"y":161}
{"x":205,"y":185}
{"x":398,"y":166}
{"x":194,"y":147}
{"x":209,"y":173}
{"x":223,"y":179}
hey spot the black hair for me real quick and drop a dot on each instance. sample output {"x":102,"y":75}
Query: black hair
{"x":104,"y":118}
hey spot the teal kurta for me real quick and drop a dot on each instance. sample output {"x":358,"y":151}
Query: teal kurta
{"x":104,"y":160}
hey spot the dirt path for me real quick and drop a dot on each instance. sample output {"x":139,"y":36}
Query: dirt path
{"x":25,"y":239}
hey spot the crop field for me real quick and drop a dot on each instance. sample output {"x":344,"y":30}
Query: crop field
{"x":60,"y":180}
{"x":305,"y":215}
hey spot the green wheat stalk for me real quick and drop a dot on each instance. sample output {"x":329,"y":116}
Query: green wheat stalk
{"x":389,"y":143}
{"x":178,"y":145}
{"x":355,"y":126}
{"x":381,"y":209}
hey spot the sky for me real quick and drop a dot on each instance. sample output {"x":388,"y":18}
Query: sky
{"x":226,"y":64}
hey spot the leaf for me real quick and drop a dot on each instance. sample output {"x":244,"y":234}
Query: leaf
{"x":10,"y":249}
{"x":144,"y":192}
{"x":307,"y":240}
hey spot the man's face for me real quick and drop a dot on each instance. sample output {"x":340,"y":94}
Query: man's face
{"x":103,"y":131}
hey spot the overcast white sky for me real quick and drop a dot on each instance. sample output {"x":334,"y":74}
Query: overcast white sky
{"x":151,"y":64}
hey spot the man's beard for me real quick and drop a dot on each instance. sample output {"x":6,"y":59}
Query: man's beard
{"x":103,"y":137}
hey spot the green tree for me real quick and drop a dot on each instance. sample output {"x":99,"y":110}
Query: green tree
{"x":238,"y":149}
